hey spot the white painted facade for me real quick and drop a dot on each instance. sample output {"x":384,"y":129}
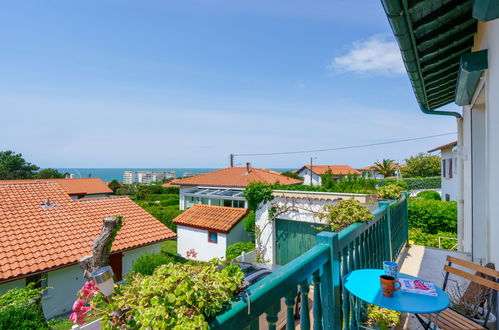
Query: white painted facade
{"x":450,"y":174}
{"x":189,"y":238}
{"x":190,"y":195}
{"x":308,"y":175}
{"x":65,"y":283}
{"x":478,"y":156}
{"x":306,"y":204}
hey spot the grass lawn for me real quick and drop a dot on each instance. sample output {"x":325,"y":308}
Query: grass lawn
{"x":169,"y":247}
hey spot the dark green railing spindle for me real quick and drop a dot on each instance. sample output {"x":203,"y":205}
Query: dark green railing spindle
{"x":290,"y":310}
{"x":317,"y":307}
{"x":304,"y":311}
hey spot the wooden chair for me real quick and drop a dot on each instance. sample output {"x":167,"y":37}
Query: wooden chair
{"x":486,"y":279}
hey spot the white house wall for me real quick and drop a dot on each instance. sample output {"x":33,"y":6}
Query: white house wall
{"x":450,"y":186}
{"x":193,"y":238}
{"x":305,"y":174}
{"x":238,"y":234}
{"x":65,"y":283}
{"x":130,"y":256}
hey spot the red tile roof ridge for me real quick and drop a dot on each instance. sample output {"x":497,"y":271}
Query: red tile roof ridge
{"x":211,"y":217}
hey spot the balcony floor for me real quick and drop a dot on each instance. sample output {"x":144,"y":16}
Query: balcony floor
{"x":427,"y":263}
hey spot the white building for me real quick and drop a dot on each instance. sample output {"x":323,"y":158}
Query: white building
{"x":450,"y":171}
{"x":45,"y":233}
{"x":147,"y":177}
{"x":455,"y":58}
{"x":224,"y":187}
{"x":204,"y":231}
{"x":312,"y":174}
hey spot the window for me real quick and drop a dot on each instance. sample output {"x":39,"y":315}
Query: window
{"x":41,"y":281}
{"x":443,"y":168}
{"x":227,"y":202}
{"x":239,"y":204}
{"x":450,"y":168}
{"x":212,"y":237}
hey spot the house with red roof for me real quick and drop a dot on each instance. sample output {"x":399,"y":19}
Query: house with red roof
{"x":225,"y":187}
{"x":450,"y":170}
{"x":312,"y":174}
{"x":205,"y":231}
{"x":45,"y":232}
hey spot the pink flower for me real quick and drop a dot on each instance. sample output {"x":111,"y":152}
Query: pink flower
{"x":77,"y":306}
{"x":73,"y":317}
{"x":89,"y":290}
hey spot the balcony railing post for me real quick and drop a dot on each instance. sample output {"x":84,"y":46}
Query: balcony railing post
{"x":388,"y":230}
{"x":331,"y":283}
{"x":406,"y":217}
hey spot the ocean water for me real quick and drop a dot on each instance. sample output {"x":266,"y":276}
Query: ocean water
{"x":109,"y":174}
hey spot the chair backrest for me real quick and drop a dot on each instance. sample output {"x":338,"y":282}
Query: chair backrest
{"x":491,"y":275}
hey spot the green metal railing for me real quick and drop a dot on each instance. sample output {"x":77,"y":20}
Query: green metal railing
{"x":361,"y":245}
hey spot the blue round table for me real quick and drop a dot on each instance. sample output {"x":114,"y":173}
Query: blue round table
{"x":365,"y":285}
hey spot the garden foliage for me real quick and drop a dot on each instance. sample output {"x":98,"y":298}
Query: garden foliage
{"x":18,"y":310}
{"x":433,"y":216}
{"x":344,"y":213}
{"x":419,"y":237}
{"x":391,"y":191}
{"x":176,"y":296}
{"x":433,"y":182}
{"x":429,"y":194}
{"x":235,"y":250}
{"x":146,"y":264}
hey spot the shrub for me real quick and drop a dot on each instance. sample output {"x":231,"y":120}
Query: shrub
{"x":433,"y":216}
{"x":147,"y":263}
{"x":391,"y":191}
{"x":176,"y":296}
{"x":419,"y":237}
{"x":249,"y":222}
{"x":429,"y":194}
{"x":235,"y":250}
{"x":343,"y":214}
{"x":382,"y":318}
{"x":22,"y":316}
{"x":432,"y":182}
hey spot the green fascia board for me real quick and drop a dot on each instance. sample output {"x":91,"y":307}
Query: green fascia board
{"x":470,"y":70}
{"x":485,"y":10}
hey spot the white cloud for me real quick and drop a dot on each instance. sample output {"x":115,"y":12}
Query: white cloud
{"x":376,"y":55}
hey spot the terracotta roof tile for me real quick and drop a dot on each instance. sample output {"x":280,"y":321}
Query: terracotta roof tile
{"x":72,"y":186}
{"x":235,"y":177}
{"x":335,"y":169}
{"x":448,"y":145}
{"x":210,"y":217}
{"x":35,"y":238}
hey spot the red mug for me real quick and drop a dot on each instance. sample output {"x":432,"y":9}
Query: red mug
{"x":388,"y":285}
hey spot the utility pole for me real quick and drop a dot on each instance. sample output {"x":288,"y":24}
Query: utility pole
{"x":231,"y":160}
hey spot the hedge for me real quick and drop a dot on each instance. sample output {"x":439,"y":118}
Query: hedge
{"x":22,"y":316}
{"x":432,"y":216}
{"x":235,"y":250}
{"x":429,"y":194}
{"x":432,"y":182}
{"x":147,"y":263}
{"x":419,"y":237}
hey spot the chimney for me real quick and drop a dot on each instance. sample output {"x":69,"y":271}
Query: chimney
{"x":248,"y":168}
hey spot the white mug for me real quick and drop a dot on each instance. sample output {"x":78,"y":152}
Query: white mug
{"x":390,"y":268}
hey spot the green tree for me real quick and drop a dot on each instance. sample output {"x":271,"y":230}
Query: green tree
{"x":386,"y":167}
{"x":291,"y":175}
{"x":422,"y":165}
{"x":13,"y":166}
{"x":114,"y":185}
{"x":48,"y":173}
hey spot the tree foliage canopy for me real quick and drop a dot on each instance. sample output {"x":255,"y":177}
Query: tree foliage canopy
{"x":386,"y":167}
{"x":422,"y":165}
{"x":48,"y":173}
{"x":13,"y":166}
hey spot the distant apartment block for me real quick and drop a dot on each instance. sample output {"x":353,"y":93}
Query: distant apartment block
{"x":147,"y":177}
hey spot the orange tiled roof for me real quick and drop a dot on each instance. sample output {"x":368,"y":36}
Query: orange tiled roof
{"x":72,"y":186}
{"x":235,"y":177}
{"x":335,"y":169}
{"x":451,"y":144}
{"x":210,"y":217}
{"x":36,"y":239}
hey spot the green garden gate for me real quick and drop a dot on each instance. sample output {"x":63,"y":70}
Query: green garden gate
{"x":293,"y":238}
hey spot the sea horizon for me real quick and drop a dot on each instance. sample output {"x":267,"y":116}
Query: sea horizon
{"x":116,"y":173}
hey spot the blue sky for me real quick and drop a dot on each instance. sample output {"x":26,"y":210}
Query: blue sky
{"x":185,"y":83}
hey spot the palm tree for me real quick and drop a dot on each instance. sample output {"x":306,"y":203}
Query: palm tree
{"x":385,"y":167}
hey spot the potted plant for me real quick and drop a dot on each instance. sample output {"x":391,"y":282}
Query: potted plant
{"x":382,"y":318}
{"x":344,"y":213}
{"x":390,"y":192}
